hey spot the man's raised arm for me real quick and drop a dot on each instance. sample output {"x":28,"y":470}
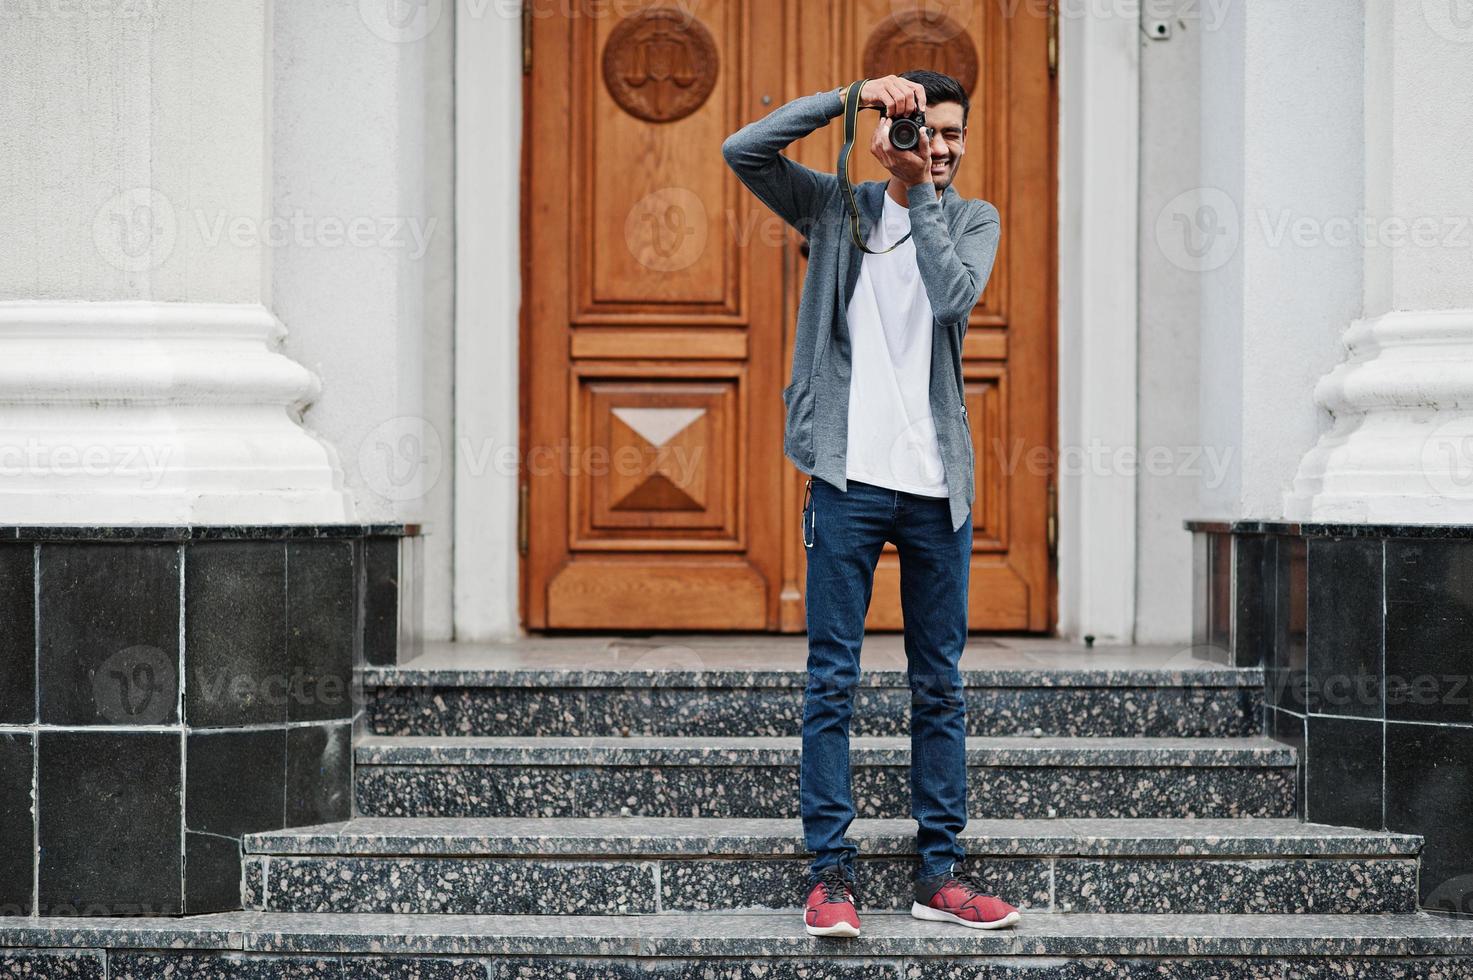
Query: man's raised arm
{"x":955,"y":272}
{"x":794,"y":192}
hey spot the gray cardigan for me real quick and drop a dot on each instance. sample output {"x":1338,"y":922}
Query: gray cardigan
{"x":955,"y":241}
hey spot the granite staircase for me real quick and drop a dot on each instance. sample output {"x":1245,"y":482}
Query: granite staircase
{"x":1128,"y":801}
{"x":627,"y":808}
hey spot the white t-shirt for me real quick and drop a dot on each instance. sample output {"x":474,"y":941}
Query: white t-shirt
{"x":892,"y":434}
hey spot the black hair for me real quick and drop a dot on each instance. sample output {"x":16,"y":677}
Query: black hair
{"x":940,"y":88}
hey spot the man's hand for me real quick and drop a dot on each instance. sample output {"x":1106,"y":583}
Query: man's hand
{"x":897,"y":96}
{"x":910,"y":167}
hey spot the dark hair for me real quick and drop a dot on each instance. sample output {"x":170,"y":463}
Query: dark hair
{"x":940,"y":88}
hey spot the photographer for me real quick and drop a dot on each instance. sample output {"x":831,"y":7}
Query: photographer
{"x":876,"y":418}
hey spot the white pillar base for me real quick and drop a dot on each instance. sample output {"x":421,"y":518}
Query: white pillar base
{"x":1401,"y":447}
{"x":157,"y":413}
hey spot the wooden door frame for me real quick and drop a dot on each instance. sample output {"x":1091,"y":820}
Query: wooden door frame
{"x":489,"y":581}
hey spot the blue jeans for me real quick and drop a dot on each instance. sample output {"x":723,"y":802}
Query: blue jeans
{"x":845,"y":532}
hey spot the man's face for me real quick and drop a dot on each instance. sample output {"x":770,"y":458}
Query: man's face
{"x":948,"y":141}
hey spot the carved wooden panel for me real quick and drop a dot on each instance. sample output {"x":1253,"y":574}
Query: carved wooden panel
{"x":998,"y":455}
{"x":656,"y":457}
{"x":921,"y":39}
{"x":657,"y":592}
{"x":660,"y":64}
{"x":653,"y":200}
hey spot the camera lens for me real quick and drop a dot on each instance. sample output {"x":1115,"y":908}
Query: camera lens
{"x":905,"y":134}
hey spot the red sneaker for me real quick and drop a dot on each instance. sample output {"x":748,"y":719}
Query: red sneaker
{"x":957,"y":897}
{"x":830,"y":910}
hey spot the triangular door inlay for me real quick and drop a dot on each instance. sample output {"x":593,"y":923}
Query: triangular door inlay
{"x":658,"y":426}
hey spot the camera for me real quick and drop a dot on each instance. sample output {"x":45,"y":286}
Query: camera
{"x":906,"y":132}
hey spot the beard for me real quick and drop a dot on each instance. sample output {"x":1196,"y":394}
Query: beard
{"x":943,"y":181}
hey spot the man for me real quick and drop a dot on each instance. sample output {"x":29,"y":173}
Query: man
{"x":875,"y":413}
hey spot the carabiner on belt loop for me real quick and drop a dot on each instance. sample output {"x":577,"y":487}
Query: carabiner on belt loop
{"x":809,"y":518}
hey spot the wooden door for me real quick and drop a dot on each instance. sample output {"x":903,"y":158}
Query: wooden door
{"x":659,"y":301}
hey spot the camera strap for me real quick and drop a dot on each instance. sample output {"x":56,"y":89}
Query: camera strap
{"x":851,"y":116}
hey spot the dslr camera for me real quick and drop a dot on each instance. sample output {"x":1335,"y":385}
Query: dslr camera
{"x":906,"y":132}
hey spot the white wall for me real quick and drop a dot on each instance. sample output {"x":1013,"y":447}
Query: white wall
{"x":439,"y":322}
{"x":488,"y":72}
{"x":1238,"y":319}
{"x":1169,"y":442}
{"x":1420,"y":119}
{"x":362,"y":138}
{"x":1282,"y":162}
{"x":1398,"y":448}
{"x":143,"y":382}
{"x":1304,"y":152}
{"x":128,"y":130}
{"x":1208,"y":235}
{"x":1099,"y":149}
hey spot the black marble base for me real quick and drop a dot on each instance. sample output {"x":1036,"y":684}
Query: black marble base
{"x":1365,"y":635}
{"x":17,"y":854}
{"x":168,"y":690}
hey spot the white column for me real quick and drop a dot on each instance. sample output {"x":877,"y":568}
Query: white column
{"x":363,"y":172}
{"x":141,"y":379}
{"x":1400,"y":448}
{"x":1280,"y":185}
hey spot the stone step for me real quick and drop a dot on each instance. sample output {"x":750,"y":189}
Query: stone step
{"x":755,"y":688}
{"x":646,"y":865}
{"x":1008,"y":777}
{"x":737,"y":946}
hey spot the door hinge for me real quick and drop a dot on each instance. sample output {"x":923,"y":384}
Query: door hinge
{"x":1052,"y":528}
{"x":526,"y":37}
{"x":523,"y":521}
{"x":1053,"y":39}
